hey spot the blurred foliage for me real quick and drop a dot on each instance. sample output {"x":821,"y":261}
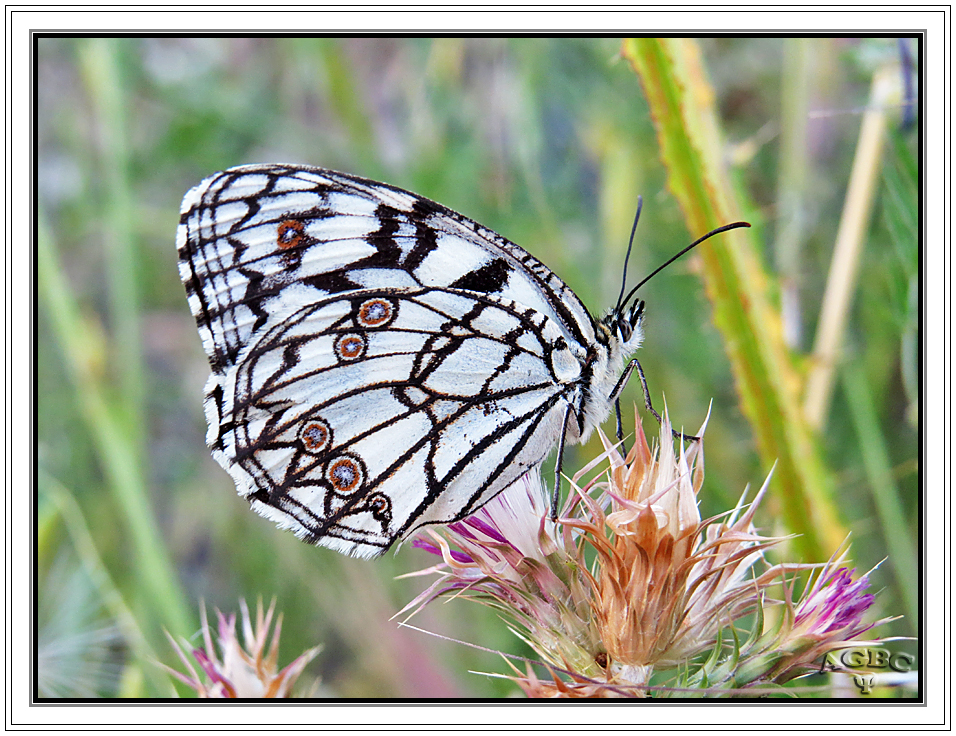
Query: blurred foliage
{"x":547,"y":141}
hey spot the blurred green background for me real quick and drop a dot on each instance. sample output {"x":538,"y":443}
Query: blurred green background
{"x":547,"y":141}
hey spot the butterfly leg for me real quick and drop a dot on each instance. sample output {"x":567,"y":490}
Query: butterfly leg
{"x":616,"y":396}
{"x":619,"y":431}
{"x":622,"y":382}
{"x":556,"y":496}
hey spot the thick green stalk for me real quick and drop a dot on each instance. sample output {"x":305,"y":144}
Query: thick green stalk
{"x":682,"y":105}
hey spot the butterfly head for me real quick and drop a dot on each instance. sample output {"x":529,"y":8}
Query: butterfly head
{"x":624,"y":323}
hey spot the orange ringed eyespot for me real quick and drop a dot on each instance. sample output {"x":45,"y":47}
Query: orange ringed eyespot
{"x":291,"y":233}
{"x":375,"y":312}
{"x":345,"y":474}
{"x":350,"y":346}
{"x":315,"y":436}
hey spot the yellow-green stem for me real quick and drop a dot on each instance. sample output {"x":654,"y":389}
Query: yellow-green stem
{"x":682,"y":105}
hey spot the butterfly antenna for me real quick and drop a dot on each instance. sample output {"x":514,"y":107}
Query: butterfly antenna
{"x":627,"y":257}
{"x":669,"y":261}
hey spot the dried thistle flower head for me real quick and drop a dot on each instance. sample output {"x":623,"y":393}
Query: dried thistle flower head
{"x":248,"y":670}
{"x":631,"y":582}
{"x":666,"y":582}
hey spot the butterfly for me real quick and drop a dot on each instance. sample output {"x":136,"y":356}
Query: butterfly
{"x":380,"y":362}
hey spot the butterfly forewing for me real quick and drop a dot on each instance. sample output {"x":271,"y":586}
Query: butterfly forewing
{"x":379,"y":362}
{"x":259,"y":241}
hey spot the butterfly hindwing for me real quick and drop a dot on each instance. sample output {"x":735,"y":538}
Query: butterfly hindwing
{"x":355,"y":420}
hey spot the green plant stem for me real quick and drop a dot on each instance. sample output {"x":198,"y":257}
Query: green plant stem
{"x":854,"y":221}
{"x":682,"y":105}
{"x":101,"y":65}
{"x":161,"y":597}
{"x":792,"y":182}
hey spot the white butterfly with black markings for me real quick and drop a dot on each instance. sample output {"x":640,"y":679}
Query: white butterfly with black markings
{"x":380,"y":362}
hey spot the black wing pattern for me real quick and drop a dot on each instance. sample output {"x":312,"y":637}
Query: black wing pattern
{"x":358,"y":419}
{"x":379,"y":362}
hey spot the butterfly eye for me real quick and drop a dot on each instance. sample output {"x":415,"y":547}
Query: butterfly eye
{"x":624,"y":328}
